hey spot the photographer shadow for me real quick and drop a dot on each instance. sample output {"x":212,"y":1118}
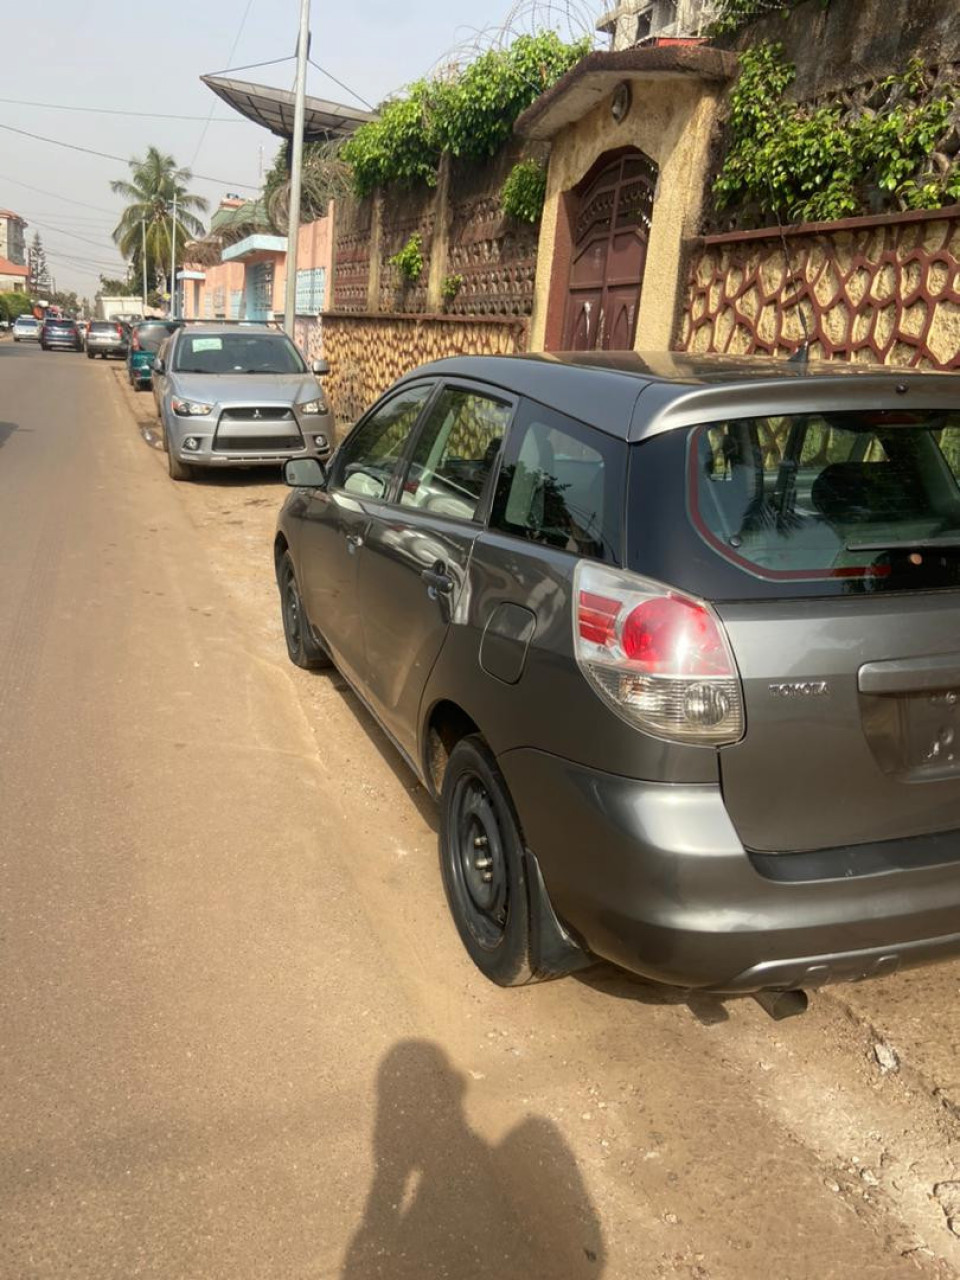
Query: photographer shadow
{"x":445,"y":1203}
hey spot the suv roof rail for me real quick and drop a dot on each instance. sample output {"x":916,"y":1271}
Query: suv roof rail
{"x":217,"y":320}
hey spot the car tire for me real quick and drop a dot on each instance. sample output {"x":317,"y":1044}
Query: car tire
{"x":178,"y":470}
{"x":90,"y":355}
{"x":302,"y":649}
{"x":480,"y":837}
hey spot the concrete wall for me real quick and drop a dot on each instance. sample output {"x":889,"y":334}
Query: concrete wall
{"x":671,"y":121}
{"x":853,"y":41}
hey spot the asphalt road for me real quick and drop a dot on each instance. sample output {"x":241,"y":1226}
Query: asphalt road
{"x":238,"y":1035}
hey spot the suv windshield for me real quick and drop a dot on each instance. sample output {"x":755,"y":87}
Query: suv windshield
{"x":868,"y":500}
{"x":237,"y":353}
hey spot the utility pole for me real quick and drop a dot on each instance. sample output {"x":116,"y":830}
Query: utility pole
{"x":173,"y":260}
{"x":296,"y":169}
{"x":143,"y":262}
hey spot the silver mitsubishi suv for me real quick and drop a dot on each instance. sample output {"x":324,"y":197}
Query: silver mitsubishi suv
{"x":232,"y":395}
{"x":675,"y":643}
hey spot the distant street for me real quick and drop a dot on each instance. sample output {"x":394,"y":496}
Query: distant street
{"x":239,"y":1037}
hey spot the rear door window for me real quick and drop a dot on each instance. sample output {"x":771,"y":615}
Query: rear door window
{"x":561,"y":484}
{"x":868,"y":498}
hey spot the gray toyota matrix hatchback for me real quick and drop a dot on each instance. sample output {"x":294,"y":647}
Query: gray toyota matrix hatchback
{"x":675,"y":642}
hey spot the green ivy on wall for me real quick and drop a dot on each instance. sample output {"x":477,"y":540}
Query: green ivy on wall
{"x":469,"y":115}
{"x":524,"y":192}
{"x":409,"y":259}
{"x":812,"y":164}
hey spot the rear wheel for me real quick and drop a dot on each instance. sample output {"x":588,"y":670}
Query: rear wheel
{"x":481,"y":859}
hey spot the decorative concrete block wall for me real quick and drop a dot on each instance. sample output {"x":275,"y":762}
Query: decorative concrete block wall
{"x":880,"y":290}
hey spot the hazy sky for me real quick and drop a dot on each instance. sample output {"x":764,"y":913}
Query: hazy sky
{"x":147,"y":57}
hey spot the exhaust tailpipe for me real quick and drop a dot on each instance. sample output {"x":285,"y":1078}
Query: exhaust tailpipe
{"x":782,"y":1004}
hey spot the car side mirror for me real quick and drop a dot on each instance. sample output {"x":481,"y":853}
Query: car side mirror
{"x":320,"y":367}
{"x":304,"y":473}
{"x":157,"y":366}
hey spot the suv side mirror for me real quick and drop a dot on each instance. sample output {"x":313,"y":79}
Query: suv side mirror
{"x":320,"y":367}
{"x":157,"y":365}
{"x":304,"y":473}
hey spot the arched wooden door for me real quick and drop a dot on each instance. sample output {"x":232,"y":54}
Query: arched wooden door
{"x":610,"y":234}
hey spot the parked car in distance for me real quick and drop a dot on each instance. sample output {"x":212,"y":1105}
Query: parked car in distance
{"x":232,"y":396}
{"x":674,"y":642}
{"x":59,"y":333}
{"x":26,"y":329}
{"x":107,"y":338}
{"x":146,"y":338}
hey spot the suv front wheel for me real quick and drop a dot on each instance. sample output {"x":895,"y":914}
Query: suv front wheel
{"x":481,"y":858}
{"x":301,"y":646}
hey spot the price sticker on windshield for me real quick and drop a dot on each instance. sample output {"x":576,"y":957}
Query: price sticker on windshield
{"x":206,"y":344}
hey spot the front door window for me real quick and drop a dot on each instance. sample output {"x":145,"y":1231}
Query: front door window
{"x":455,"y":453}
{"x":366,"y":460}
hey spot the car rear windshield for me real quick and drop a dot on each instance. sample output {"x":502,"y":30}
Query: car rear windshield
{"x":152,"y":336}
{"x":237,"y":353}
{"x":851,"y":501}
{"x":105,"y":326}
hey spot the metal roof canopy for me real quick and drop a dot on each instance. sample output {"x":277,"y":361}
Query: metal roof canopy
{"x":273,"y":109}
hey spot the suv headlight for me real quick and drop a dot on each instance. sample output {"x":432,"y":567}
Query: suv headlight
{"x":313,"y":406}
{"x":190,"y":408}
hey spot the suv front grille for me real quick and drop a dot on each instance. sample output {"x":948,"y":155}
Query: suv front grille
{"x":264,"y":413}
{"x":257,"y":444}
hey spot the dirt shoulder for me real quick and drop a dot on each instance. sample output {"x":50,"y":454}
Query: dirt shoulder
{"x":645,"y":1135}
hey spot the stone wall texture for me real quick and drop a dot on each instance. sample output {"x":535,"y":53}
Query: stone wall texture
{"x":850,"y":42}
{"x":882,"y":290}
{"x":369,"y":352}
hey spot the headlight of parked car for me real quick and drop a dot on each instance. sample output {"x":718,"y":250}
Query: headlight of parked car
{"x":190,"y":408}
{"x":313,"y":406}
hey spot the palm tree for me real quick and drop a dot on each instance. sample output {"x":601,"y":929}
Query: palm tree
{"x":150,"y":192}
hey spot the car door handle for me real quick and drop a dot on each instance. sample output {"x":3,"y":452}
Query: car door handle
{"x":437,"y":580}
{"x":354,"y":542}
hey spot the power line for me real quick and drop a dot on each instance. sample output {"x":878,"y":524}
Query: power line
{"x":233,"y":50}
{"x":57,"y":196}
{"x":97,"y":244}
{"x":106,"y":155}
{"x":111,"y":111}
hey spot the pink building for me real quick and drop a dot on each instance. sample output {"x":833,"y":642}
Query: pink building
{"x":249,"y":282}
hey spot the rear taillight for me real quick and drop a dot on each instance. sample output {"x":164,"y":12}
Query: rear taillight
{"x":119,"y":331}
{"x":658,"y":657}
{"x":135,"y":342}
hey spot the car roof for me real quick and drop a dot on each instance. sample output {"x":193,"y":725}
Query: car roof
{"x":238,"y":326}
{"x":636,"y":394}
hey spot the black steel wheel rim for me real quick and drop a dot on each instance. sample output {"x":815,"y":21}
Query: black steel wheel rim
{"x":291,"y":612}
{"x":478,"y":861}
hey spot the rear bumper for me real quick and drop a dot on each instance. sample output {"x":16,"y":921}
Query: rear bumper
{"x":652,"y":877}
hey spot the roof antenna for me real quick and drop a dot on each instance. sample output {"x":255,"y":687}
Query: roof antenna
{"x":802,"y":353}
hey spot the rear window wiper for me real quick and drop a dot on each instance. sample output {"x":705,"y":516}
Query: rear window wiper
{"x":914,"y":544}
